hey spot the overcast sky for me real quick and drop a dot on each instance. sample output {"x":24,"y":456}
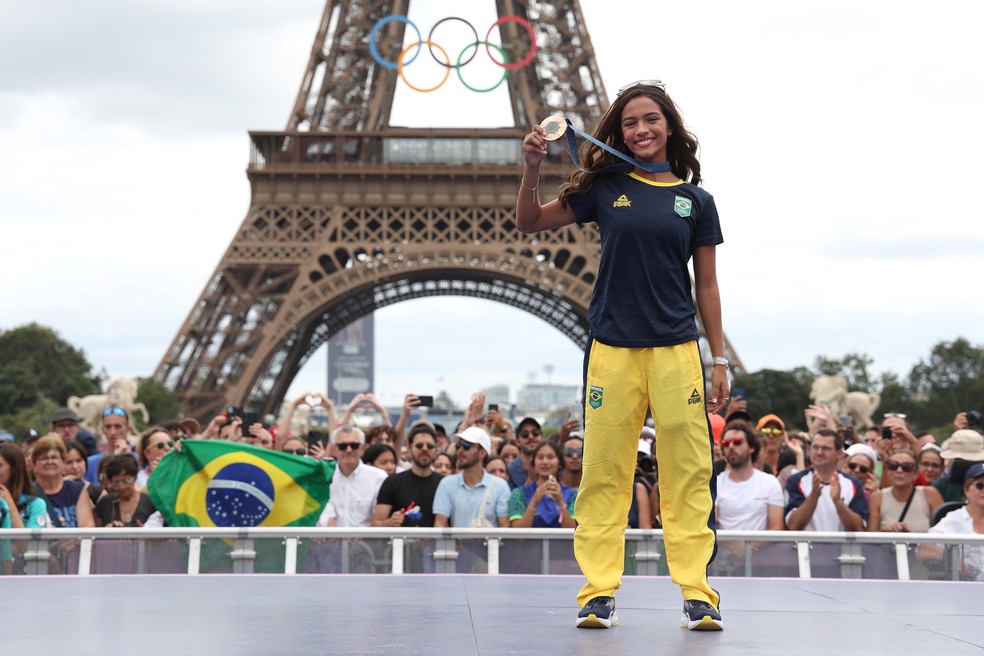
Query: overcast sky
{"x":841,"y":139}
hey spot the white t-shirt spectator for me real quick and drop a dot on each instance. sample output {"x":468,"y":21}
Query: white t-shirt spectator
{"x":353,"y":497}
{"x":972,"y":555}
{"x":744,"y":505}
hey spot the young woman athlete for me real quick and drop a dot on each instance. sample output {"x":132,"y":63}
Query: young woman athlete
{"x":643,"y":347}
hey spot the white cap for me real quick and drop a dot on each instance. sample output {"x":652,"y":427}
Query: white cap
{"x":475,"y":435}
{"x":855,"y":449}
{"x":645,"y":446}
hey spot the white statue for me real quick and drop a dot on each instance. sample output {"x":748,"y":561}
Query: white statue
{"x":121,"y":393}
{"x":832,"y":392}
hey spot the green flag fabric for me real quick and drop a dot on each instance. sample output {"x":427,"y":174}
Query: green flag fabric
{"x":218,"y":483}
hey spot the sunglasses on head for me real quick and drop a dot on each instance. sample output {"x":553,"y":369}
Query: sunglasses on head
{"x":900,"y":415}
{"x":864,"y":469}
{"x":534,"y":432}
{"x":348,"y":446}
{"x":659,"y":84}
{"x":119,"y":412}
{"x":736,"y":441}
{"x":573,"y":453}
{"x":296,"y":452}
{"x":907,"y":467}
{"x":427,"y":446}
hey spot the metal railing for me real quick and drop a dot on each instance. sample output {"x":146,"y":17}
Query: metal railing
{"x":288,"y":550}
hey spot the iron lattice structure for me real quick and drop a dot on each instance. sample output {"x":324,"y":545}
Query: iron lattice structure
{"x":349,"y":214}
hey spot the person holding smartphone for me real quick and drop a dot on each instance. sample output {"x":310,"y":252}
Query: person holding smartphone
{"x":643,"y":351}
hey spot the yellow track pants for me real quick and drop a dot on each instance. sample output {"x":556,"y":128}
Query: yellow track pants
{"x":619,"y":385}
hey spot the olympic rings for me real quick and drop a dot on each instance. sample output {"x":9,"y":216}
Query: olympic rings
{"x":505,"y":71}
{"x":529,"y":29}
{"x":399,"y":65}
{"x":375,"y":31}
{"x":430,"y":37}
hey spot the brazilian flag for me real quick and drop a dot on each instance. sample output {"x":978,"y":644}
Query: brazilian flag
{"x":218,"y":483}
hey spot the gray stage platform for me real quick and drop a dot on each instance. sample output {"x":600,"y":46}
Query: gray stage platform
{"x":487,"y":615}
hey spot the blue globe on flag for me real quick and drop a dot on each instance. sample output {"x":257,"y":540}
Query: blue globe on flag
{"x":240,"y":494}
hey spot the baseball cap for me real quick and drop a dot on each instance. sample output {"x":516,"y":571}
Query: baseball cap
{"x":528,"y":420}
{"x":864,"y":449}
{"x":475,"y":435}
{"x":30,"y":435}
{"x":64,"y":414}
{"x":770,"y":418}
{"x":965,"y":444}
{"x":976,"y":470}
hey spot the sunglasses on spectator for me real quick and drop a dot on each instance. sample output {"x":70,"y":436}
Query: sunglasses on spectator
{"x":907,"y":467}
{"x":164,"y":445}
{"x":900,"y":415}
{"x":119,"y":412}
{"x":348,"y":446}
{"x":979,"y":485}
{"x":771,"y":431}
{"x":464,"y":446}
{"x":659,"y":84}
{"x":864,"y":469}
{"x":737,"y":441}
{"x":573,"y":453}
{"x":180,"y":436}
{"x":426,"y":446}
{"x":296,"y":452}
{"x":530,"y":433}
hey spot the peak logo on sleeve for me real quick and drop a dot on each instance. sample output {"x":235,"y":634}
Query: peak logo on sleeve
{"x":622,"y":201}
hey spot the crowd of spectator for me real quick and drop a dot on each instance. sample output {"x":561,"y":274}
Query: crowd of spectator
{"x":489,"y":473}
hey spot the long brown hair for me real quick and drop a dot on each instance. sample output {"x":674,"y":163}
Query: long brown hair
{"x":681,"y":145}
{"x":20,"y":480}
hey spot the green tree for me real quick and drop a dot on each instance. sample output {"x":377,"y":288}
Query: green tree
{"x":781,"y":393}
{"x":950,"y":381}
{"x":853,"y":366}
{"x":36,"y":363}
{"x":161,"y":403}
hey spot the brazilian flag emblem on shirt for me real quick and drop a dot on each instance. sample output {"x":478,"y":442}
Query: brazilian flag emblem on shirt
{"x":224,"y":484}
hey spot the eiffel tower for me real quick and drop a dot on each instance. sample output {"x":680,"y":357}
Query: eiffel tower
{"x":349,"y":213}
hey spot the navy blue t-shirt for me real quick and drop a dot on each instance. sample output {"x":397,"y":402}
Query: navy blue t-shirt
{"x":64,"y":503}
{"x":649,"y":231}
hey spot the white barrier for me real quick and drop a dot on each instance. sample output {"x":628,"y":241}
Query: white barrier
{"x":493,"y":551}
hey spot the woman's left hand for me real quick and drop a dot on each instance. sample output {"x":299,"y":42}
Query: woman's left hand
{"x":720,"y":388}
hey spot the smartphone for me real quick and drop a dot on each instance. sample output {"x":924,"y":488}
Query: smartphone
{"x":249,"y":418}
{"x":577,"y":411}
{"x":738,"y":394}
{"x":886,"y":433}
{"x":493,"y":406}
{"x":313,"y":438}
{"x":425,"y":401}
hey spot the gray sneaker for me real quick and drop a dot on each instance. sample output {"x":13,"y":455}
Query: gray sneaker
{"x":700,"y":616}
{"x":598,"y":613}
